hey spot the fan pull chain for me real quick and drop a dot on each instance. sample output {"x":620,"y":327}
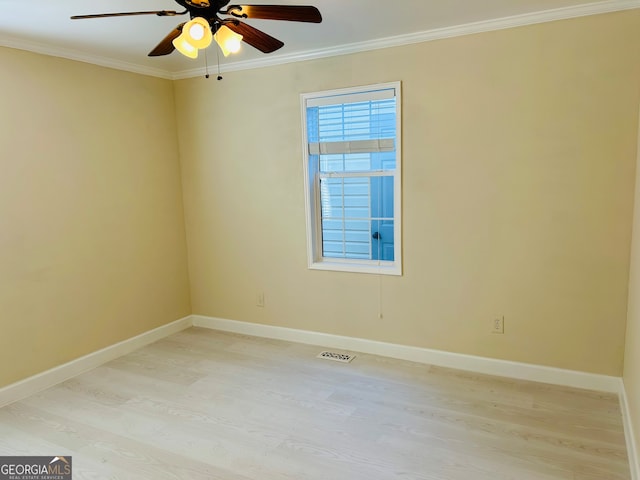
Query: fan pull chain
{"x":218,"y":55}
{"x":206,"y":64}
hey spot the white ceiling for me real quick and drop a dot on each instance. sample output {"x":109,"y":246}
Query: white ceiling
{"x":44,"y":26}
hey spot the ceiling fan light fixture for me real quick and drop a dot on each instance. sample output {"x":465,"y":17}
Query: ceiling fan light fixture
{"x":198,"y":33}
{"x":199,"y":3}
{"x":184,"y":47}
{"x":228,"y":40}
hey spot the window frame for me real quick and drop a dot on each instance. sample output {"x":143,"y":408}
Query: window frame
{"x":315,"y":259}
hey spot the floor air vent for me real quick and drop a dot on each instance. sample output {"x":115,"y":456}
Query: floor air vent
{"x":337,"y":357}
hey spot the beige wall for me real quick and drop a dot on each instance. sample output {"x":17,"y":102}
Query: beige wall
{"x":519,"y":161}
{"x":92,"y":241}
{"x":632,"y":350}
{"x":519,"y":158}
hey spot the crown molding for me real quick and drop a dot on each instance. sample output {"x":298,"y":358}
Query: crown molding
{"x":564,"y":13}
{"x":69,"y":54}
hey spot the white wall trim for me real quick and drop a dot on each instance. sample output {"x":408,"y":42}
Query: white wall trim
{"x":70,"y":54}
{"x":489,"y":366}
{"x":49,"y":378}
{"x":564,"y":13}
{"x":632,"y":447}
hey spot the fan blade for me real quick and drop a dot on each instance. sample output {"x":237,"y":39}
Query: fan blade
{"x":293,"y":13}
{"x":165,"y":47}
{"x":254,"y":37}
{"x":160,"y":13}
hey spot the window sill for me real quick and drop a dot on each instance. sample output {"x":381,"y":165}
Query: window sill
{"x":388,"y":268}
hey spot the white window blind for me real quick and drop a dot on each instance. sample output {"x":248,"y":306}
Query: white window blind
{"x":356,"y":146}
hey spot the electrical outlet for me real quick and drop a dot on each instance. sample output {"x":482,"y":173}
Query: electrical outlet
{"x":498,"y":325}
{"x":260,"y":299}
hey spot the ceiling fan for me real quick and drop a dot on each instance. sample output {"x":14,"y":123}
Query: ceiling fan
{"x":228,"y":31}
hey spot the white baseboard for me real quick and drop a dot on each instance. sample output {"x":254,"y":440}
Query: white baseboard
{"x":489,"y":366}
{"x":632,"y":448}
{"x":49,"y":378}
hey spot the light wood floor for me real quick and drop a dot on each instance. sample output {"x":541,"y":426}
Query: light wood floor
{"x":208,"y":405}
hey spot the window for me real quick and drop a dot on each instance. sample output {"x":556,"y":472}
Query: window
{"x":352,"y":179}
